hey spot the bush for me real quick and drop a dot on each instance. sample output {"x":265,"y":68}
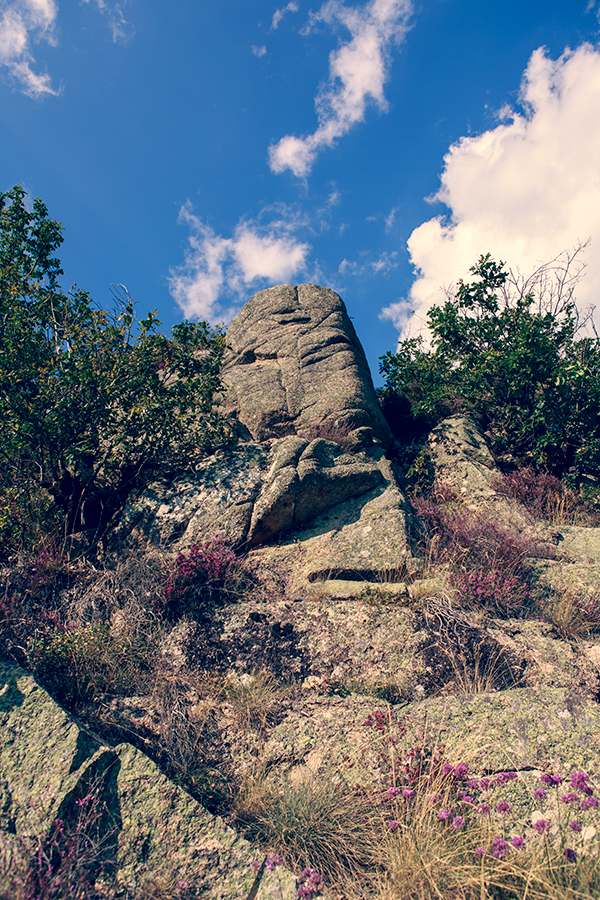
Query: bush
{"x":205,"y":575}
{"x":89,"y":405}
{"x":487,"y":560}
{"x":546,"y":497}
{"x":513,"y":361}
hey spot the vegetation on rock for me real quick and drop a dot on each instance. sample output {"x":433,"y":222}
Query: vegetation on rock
{"x":514,"y":361}
{"x":258,"y":699}
{"x":89,"y":404}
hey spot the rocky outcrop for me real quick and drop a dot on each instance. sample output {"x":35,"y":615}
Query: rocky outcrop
{"x":314,"y":473}
{"x":296,"y":366}
{"x":151,"y":829}
{"x":342,"y":620}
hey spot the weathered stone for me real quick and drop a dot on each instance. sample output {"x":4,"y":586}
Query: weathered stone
{"x":216,"y":497}
{"x":154,"y":828}
{"x":295,"y":362}
{"x":304,"y":481}
{"x":257,"y":493}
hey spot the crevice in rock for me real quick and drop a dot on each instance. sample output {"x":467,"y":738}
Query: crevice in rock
{"x":396,"y":575}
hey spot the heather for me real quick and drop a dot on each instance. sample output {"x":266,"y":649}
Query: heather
{"x":487,"y":560}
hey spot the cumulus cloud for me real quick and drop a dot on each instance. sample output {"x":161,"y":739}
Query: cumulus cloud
{"x":280,"y":13}
{"x":218,"y":271}
{"x":121,"y":30}
{"x":524,"y":191}
{"x":358,"y":71}
{"x":258,"y":51}
{"x":24,"y":23}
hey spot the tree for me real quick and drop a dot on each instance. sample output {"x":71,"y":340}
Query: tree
{"x":512,"y":359}
{"x":89,"y":404}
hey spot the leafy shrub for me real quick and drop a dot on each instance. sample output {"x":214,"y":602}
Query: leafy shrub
{"x":86,"y":661}
{"x":205,"y":575}
{"x":513,"y":361}
{"x":89,"y":407}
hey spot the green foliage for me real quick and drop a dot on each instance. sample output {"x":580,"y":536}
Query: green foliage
{"x":511,"y":359}
{"x":89,"y":660}
{"x":89,"y":404}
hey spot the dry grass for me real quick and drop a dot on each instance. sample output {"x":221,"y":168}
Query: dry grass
{"x":574,"y":613}
{"x":317,"y":822}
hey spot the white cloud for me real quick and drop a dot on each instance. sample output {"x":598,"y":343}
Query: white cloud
{"x":524,"y":191}
{"x":380,"y":266}
{"x":390,"y":218}
{"x":23,"y":23}
{"x":280,"y":13}
{"x":258,"y":51}
{"x":121,"y":30}
{"x":218,"y":270}
{"x":358,"y":71}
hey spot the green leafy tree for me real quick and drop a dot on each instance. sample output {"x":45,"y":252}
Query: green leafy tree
{"x":512,"y":358}
{"x":89,"y":404}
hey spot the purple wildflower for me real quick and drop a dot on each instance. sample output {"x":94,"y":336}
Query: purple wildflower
{"x":461,"y":770}
{"x":272,"y":861}
{"x":447,"y":769}
{"x":483,"y":809}
{"x":313,"y":882}
{"x":571,"y":797}
{"x":551,"y":780}
{"x":570,"y":855}
{"x":392,"y":792}
{"x":484,"y":784}
{"x":500,"y":848}
{"x":575,"y":826}
{"x":541,"y":826}
{"x":474,"y":785}
{"x":503,"y":778}
{"x":589,"y":803}
{"x":393,"y":825}
{"x":480,"y":852}
{"x":444,"y":815}
{"x":579,"y":780}
{"x":540,"y":794}
{"x":458,"y":822}
{"x":504,"y":808}
{"x":518,"y":842}
{"x":408,"y":794}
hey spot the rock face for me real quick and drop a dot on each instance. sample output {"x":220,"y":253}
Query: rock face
{"x":314,"y":473}
{"x":296,"y":365}
{"x":152,"y":828}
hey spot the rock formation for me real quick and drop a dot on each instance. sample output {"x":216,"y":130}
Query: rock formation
{"x":314,"y":470}
{"x":151,"y":829}
{"x":346,"y":609}
{"x":295,"y":365}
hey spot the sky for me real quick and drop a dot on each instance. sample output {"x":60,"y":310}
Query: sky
{"x":198,"y":151}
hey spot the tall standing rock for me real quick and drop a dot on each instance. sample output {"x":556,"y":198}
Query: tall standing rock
{"x":296,"y":363}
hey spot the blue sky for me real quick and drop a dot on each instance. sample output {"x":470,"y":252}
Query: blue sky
{"x":200,"y":151}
